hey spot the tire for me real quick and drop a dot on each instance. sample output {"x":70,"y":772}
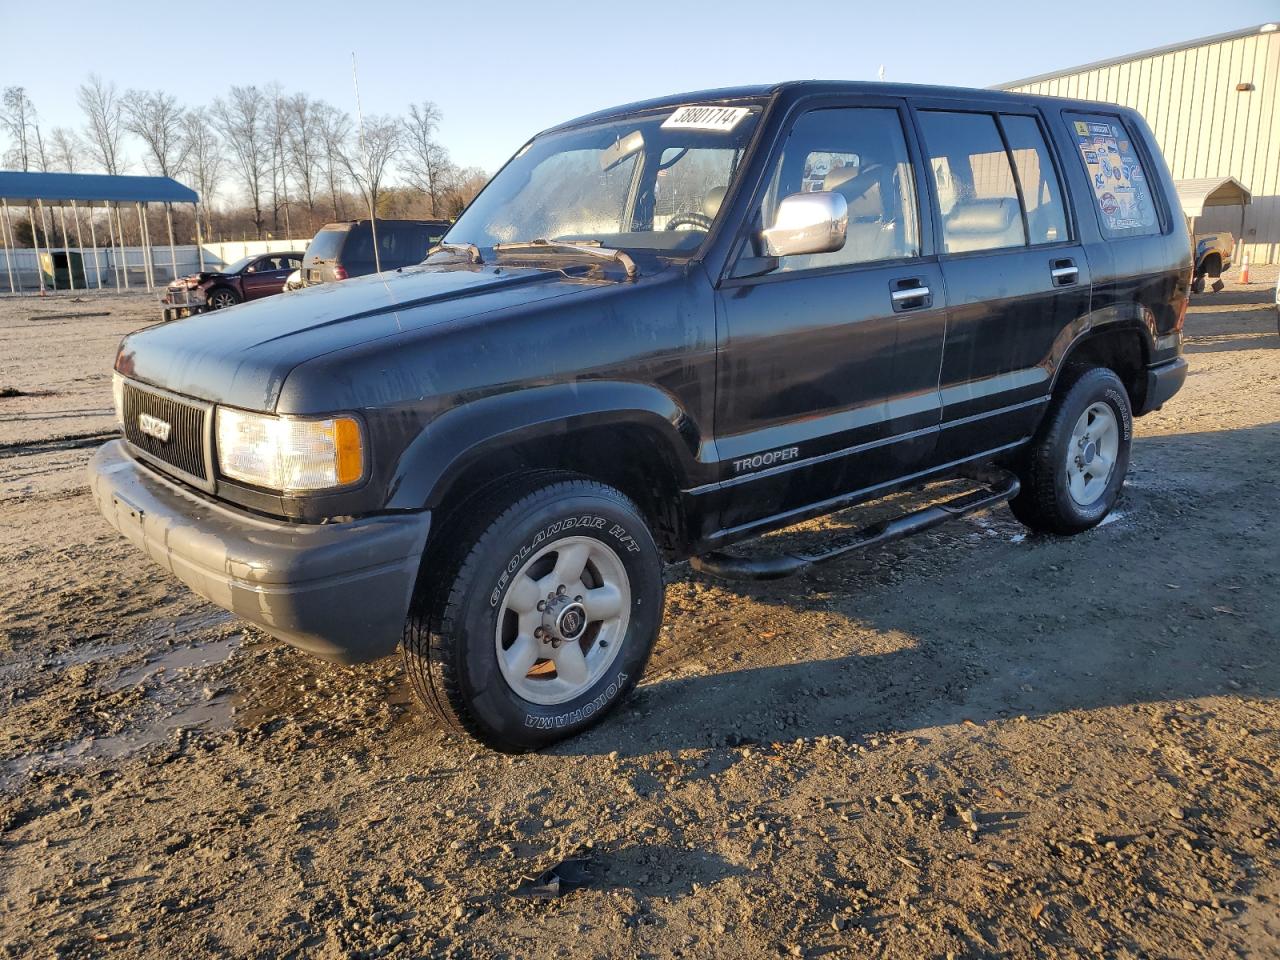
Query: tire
{"x":222,"y":297}
{"x":472,"y":654}
{"x":1059,"y":493}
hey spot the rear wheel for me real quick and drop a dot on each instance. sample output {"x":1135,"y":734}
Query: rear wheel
{"x":545,"y":617}
{"x":1073,"y":471}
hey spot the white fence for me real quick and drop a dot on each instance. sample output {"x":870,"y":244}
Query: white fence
{"x":126,"y":267}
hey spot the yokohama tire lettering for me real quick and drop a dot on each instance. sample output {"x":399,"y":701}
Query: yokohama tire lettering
{"x":584,"y":712}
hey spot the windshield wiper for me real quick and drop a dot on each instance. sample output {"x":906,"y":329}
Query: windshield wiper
{"x":471,"y":251}
{"x":588,"y":248}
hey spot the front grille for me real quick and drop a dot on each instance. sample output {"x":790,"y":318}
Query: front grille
{"x":185,"y":449}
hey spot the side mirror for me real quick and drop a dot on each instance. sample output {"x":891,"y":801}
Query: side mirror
{"x":807,"y":223}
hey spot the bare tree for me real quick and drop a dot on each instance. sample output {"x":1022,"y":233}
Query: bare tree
{"x":67,"y":149}
{"x":368,"y":157}
{"x":205,"y":159}
{"x":156,"y":119}
{"x":43,"y":156}
{"x":243,"y":120}
{"x":460,"y":189}
{"x":304,"y":137}
{"x":427,"y":163}
{"x":104,"y":118}
{"x":277,"y":132}
{"x":335,"y":128}
{"x":18,"y":118}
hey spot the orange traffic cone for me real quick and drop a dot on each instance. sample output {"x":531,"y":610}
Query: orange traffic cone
{"x":1244,"y":269}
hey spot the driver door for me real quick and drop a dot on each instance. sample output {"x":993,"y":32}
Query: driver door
{"x":829,"y":363}
{"x":264,"y":277}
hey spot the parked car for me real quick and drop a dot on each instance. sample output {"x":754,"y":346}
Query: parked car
{"x":340,"y":251}
{"x":1213,"y":258}
{"x":251,"y":278}
{"x":660,"y":330}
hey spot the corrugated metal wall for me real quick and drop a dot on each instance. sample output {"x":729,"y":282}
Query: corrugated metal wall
{"x":1206,"y":127}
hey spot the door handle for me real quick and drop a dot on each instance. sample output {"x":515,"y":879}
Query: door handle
{"x":914,"y":297}
{"x":1064,"y":273}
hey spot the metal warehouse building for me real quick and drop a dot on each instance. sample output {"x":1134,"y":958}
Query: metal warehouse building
{"x":1214,"y":105}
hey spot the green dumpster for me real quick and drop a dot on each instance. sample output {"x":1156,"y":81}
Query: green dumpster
{"x":60,"y":267}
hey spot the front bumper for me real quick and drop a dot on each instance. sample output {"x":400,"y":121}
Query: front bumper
{"x":1163,"y":381}
{"x":179,"y":302}
{"x":339,"y":590}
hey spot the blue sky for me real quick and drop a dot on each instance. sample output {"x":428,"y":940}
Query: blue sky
{"x":501,"y":71}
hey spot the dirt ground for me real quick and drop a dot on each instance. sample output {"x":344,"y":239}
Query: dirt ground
{"x":974,"y":743}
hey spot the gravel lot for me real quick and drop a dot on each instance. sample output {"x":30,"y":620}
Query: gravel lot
{"x":971,"y":743}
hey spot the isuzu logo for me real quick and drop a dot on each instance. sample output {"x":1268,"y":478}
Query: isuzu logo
{"x":154,"y":427}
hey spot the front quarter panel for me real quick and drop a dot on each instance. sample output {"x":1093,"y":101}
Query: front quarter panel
{"x":434,"y":399}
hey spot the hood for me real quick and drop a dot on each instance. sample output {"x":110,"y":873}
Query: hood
{"x":197,"y":278}
{"x":241,"y":356}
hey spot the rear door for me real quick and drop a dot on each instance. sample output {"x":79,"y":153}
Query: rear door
{"x":1016,"y":274}
{"x":828,"y":363}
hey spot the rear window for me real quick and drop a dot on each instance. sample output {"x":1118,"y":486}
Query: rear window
{"x":326,"y":244}
{"x":1120,"y":186}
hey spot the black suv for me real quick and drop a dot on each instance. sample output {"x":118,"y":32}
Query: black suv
{"x":343,"y":250}
{"x":660,"y":330}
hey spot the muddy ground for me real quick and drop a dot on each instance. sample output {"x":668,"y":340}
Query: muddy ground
{"x":974,"y":743}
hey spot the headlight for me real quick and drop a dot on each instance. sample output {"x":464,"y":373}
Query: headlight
{"x":117,"y":395}
{"x":292,"y":456}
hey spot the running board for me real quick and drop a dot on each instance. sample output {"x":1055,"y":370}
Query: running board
{"x":998,"y":487}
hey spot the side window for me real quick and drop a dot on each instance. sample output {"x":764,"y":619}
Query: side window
{"x":1119,"y":182}
{"x":1041,"y":191}
{"x":861,"y":153}
{"x":977,"y":194}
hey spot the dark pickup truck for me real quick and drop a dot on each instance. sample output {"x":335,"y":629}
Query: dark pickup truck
{"x":661,"y":330}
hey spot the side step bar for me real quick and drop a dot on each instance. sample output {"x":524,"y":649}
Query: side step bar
{"x":999,"y":487}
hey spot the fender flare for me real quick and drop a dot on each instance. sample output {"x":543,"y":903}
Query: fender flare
{"x":460,"y":437}
{"x":1126,"y":317}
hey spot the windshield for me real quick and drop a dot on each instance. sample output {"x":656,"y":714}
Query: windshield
{"x":239,"y":264}
{"x":651,"y":181}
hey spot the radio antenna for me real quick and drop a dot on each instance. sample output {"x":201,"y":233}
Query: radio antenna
{"x":373,"y":214}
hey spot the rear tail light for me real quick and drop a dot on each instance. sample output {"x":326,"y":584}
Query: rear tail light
{"x":339,"y":273}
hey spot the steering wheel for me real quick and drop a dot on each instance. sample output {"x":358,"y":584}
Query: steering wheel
{"x":699,"y":220}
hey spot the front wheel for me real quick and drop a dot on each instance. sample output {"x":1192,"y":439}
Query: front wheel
{"x":1073,"y":471}
{"x":222,"y":298}
{"x":546,"y":616}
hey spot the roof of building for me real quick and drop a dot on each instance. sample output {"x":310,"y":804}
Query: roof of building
{"x":88,"y":187}
{"x":1142,"y":54}
{"x":1201,"y":192}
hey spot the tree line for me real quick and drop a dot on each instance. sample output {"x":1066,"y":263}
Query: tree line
{"x":263,"y":160}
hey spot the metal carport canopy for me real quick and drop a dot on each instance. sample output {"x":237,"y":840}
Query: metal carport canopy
{"x":1195,"y":195}
{"x":89,"y":187}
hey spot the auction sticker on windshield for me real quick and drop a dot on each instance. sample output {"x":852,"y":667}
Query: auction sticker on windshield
{"x":705,"y":118}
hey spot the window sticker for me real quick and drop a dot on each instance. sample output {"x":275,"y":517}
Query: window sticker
{"x":704,"y":117}
{"x":1115,"y":172}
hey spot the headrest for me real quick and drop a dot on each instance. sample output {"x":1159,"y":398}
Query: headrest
{"x":839,"y":176}
{"x":989,"y":216}
{"x":711,"y":202}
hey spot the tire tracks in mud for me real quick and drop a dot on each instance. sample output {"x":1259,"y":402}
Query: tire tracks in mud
{"x":69,"y":441}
